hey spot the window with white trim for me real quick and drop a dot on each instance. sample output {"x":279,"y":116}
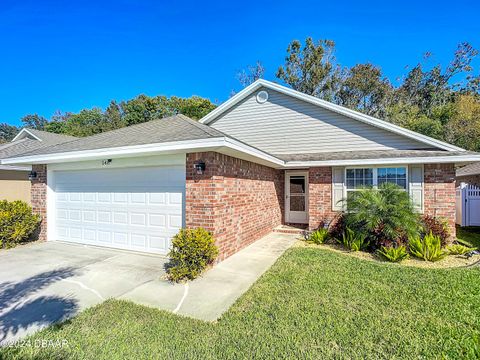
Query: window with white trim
{"x":358,"y":178}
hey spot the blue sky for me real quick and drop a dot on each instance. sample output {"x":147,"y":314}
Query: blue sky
{"x":70,"y":55}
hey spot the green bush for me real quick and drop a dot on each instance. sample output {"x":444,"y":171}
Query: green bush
{"x":429,"y":248}
{"x":192,"y":251}
{"x":318,"y":236}
{"x":354,"y":241}
{"x":393,"y":254}
{"x":17,"y":223}
{"x":458,"y":249}
{"x":385,"y":215}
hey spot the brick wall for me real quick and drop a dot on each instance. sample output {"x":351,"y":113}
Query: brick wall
{"x":439,"y":192}
{"x":320,"y":196}
{"x":237,"y":200}
{"x":39,"y":198}
{"x":470,"y":179}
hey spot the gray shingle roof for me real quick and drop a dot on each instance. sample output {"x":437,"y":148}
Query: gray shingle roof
{"x":51,"y":138}
{"x":173,"y":128}
{"x":471,"y":169}
{"x":371,"y":154}
{"x":27,"y":144}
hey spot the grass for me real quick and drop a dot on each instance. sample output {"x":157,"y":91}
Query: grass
{"x":469,"y":236}
{"x":313,"y":303}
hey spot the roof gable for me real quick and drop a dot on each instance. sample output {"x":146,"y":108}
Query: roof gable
{"x":253,"y":89}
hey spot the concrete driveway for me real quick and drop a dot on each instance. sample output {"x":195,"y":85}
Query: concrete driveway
{"x":48,"y":282}
{"x":44,"y":283}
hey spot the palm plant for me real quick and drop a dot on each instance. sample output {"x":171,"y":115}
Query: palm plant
{"x":384,"y":215}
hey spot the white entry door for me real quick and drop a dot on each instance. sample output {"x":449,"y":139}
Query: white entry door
{"x":137,"y":209}
{"x":296,"y":197}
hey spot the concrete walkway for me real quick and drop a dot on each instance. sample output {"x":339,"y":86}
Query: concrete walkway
{"x":208,"y":297}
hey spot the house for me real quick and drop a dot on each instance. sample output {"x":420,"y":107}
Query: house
{"x":267,"y":156}
{"x":469,"y":174}
{"x":14,"y":181}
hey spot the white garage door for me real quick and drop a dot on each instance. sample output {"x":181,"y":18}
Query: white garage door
{"x":131,"y":208}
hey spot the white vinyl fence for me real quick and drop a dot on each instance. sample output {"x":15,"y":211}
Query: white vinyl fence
{"x":468,"y":205}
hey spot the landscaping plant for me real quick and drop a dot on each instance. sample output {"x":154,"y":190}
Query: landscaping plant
{"x":354,"y":241}
{"x":318,"y":236}
{"x":436,"y":226}
{"x":17,"y":222}
{"x":385,"y":216}
{"x":458,"y":249}
{"x":429,"y":248}
{"x":192,"y":251}
{"x":393,"y":254}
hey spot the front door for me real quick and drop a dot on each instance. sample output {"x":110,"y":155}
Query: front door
{"x":296,"y":197}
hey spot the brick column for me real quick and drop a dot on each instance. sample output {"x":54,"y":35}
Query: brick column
{"x":320,"y":196}
{"x":39,"y":198}
{"x":439,"y":193}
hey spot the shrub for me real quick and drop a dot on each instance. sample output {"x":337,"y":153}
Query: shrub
{"x":354,"y":241}
{"x":458,"y":249}
{"x":436,"y":226}
{"x":384,"y":215}
{"x":192,"y":251}
{"x":429,"y":248}
{"x":337,"y":227}
{"x":393,"y":254}
{"x":318,"y":236}
{"x":17,"y":222}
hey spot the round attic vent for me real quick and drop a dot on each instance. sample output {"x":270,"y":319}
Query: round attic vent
{"x":262,"y":97}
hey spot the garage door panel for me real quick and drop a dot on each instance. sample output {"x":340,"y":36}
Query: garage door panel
{"x":123,"y":215}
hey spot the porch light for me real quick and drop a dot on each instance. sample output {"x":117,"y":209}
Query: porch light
{"x":32,"y":175}
{"x":199,"y":167}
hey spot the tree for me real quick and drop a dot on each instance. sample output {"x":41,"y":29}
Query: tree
{"x":311,"y":69}
{"x":464,"y":125}
{"x":251,"y":74}
{"x":87,"y":122}
{"x":428,"y":89}
{"x":7,"y":132}
{"x":365,"y":89}
{"x":113,"y":117}
{"x":34,"y":121}
{"x":194,"y":107}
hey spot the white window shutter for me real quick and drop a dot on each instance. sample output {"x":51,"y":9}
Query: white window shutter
{"x":338,"y":174}
{"x":415,"y":179}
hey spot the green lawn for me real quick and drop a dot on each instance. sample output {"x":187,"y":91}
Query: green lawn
{"x":469,"y":235}
{"x":313,"y":303}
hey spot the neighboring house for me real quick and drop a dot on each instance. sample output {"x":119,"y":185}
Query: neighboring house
{"x":14,"y":182}
{"x":267,"y":156}
{"x":469,"y":174}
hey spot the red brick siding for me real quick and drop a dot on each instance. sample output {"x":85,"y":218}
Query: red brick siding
{"x":320,"y":196}
{"x":39,"y":198}
{"x":237,"y":200}
{"x":470,"y":179}
{"x":439,"y":192}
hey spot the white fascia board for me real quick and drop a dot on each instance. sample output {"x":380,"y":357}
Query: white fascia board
{"x":23,"y":131}
{"x":140,"y":150}
{"x":386,"y":161}
{"x":329,"y":106}
{"x":15,"y":168}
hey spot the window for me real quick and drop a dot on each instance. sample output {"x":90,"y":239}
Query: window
{"x":393,"y":175}
{"x":357,"y":178}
